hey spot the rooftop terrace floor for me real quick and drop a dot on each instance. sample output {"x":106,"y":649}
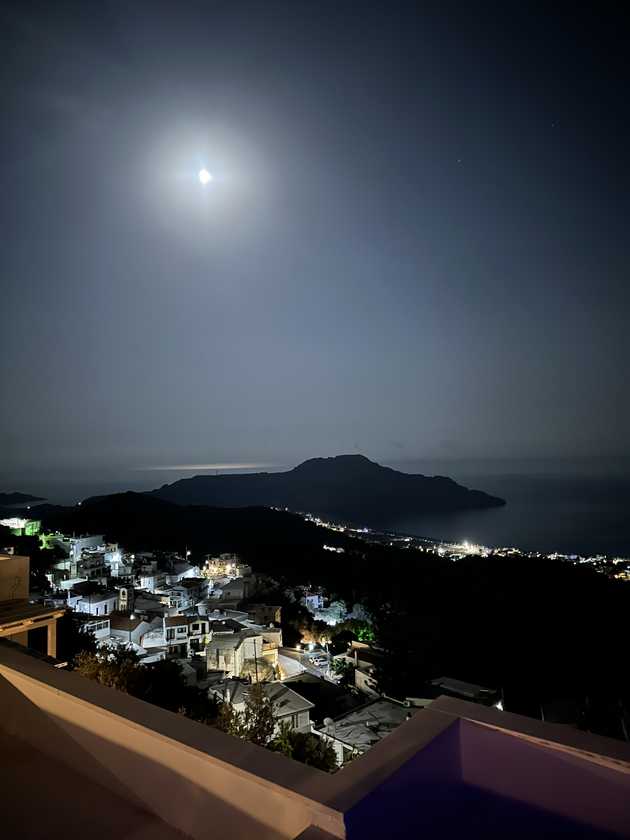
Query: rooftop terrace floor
{"x":41,"y":797}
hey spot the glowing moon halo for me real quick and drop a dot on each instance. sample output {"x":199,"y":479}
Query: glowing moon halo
{"x":204,"y":177}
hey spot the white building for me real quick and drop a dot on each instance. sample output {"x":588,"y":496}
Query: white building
{"x":116,"y":561}
{"x":333,"y":614}
{"x":176,"y":634}
{"x":153,"y":581}
{"x":182,"y":571}
{"x":288,"y":706}
{"x":136,"y":629}
{"x":229,"y":651}
{"x":74,"y":546}
{"x":313,"y":601}
{"x":190,"y":591}
{"x":185,"y":634}
{"x":67,"y":584}
{"x":234,"y":590}
{"x":98,"y":627}
{"x":97,"y":604}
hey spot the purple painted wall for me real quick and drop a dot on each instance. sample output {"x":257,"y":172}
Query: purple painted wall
{"x":546,"y":778}
{"x":464,"y":784}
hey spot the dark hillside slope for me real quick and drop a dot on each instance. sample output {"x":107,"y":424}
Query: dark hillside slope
{"x":139,"y":521}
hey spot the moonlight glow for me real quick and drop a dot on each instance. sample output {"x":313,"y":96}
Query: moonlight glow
{"x":204,"y":177}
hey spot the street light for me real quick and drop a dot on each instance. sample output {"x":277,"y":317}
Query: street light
{"x":131,"y":618}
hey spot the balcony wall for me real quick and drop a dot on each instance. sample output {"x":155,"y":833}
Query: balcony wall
{"x":188,"y":774}
{"x":455,"y":768}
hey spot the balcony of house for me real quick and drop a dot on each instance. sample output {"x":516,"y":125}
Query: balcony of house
{"x":79,"y":757}
{"x":19,"y":617}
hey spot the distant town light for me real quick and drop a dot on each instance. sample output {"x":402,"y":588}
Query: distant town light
{"x":204,"y":177}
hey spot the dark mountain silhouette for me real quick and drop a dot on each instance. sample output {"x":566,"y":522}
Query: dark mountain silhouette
{"x":142,"y":521}
{"x":14,"y":499}
{"x":349,"y":487}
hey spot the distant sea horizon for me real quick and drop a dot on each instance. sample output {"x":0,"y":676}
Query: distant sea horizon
{"x":573,"y":506}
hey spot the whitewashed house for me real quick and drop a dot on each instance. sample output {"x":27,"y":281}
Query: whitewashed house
{"x":96,"y":604}
{"x":288,"y":706}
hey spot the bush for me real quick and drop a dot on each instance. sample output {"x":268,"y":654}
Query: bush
{"x":304,"y":747}
{"x":160,"y":683}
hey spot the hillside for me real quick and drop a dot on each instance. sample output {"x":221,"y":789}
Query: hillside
{"x":141,"y":521}
{"x":347,"y":487}
{"x":16,"y":499}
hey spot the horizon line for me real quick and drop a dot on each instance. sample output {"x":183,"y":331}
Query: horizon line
{"x":185,"y":467}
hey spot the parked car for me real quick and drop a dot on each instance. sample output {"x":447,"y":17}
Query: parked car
{"x":318,"y":661}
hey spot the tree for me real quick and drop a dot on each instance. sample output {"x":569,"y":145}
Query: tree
{"x":304,"y":747}
{"x":314,"y":630}
{"x":119,"y":669}
{"x":259,"y":718}
{"x":357,"y":628}
{"x":161,"y":683}
{"x":72,"y":638}
{"x":345,"y":670}
{"x":230,"y":721}
{"x":255,"y":723}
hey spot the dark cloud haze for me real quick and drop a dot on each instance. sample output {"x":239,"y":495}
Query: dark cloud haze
{"x":416,"y":243}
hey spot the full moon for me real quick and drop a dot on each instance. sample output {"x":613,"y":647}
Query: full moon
{"x":204,"y":176}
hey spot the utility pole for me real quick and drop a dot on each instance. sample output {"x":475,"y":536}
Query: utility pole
{"x":255,"y":659}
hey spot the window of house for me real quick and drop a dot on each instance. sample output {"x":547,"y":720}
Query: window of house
{"x":105,"y":608}
{"x":170,"y":634}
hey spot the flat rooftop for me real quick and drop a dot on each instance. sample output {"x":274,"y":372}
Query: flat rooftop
{"x":463,"y":689}
{"x":367,"y":725}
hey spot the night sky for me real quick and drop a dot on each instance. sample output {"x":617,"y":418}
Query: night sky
{"x":415,"y":244}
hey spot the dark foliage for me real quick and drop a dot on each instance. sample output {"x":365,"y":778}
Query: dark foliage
{"x":72,"y":639}
{"x":140,"y":521}
{"x":304,"y":747}
{"x":255,"y":723}
{"x":160,"y":683}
